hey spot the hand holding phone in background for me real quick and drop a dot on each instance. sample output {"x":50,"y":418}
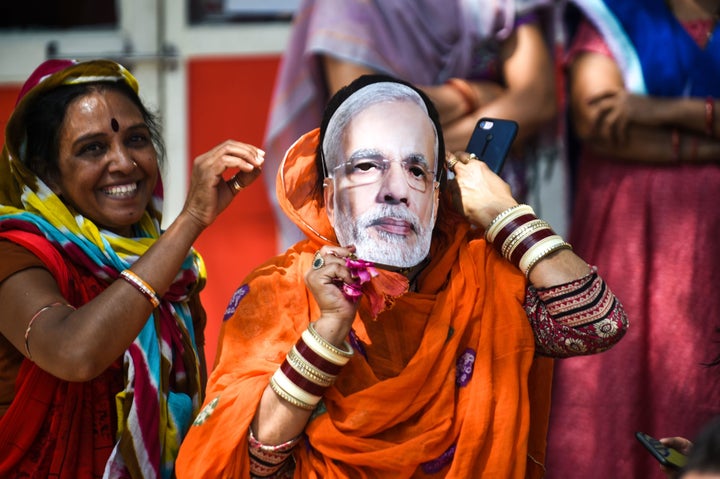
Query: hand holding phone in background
{"x":669,"y":457}
{"x":491,"y":141}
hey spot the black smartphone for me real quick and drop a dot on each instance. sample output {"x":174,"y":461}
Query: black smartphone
{"x":491,"y":141}
{"x":667,"y":456}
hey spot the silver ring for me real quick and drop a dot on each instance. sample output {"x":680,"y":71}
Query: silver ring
{"x":235,"y":185}
{"x":318,"y":261}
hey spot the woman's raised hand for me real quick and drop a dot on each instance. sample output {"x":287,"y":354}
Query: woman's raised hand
{"x":209,"y":192}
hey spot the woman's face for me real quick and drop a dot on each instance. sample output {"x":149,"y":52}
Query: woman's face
{"x":107,"y":162}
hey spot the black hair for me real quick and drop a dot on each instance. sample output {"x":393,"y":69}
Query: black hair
{"x":704,"y":456}
{"x":347,"y":91}
{"x":45,"y":114}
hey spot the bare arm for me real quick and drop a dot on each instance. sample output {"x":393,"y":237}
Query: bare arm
{"x":613,"y":122}
{"x":529,"y":93}
{"x":481,"y":196}
{"x":79,"y":345}
{"x":277,"y":421}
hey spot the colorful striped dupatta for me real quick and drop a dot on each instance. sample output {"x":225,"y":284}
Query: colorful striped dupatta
{"x":161,"y":387}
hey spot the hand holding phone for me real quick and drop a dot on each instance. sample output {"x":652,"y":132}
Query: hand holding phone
{"x":491,"y":141}
{"x":667,"y":456}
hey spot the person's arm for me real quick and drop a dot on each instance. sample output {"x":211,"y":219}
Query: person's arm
{"x":576,"y":318}
{"x":528,"y":96}
{"x":77,"y":345}
{"x":276,"y":420}
{"x":481,"y":195}
{"x":610,"y":121}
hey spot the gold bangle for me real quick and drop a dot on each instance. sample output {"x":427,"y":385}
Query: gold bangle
{"x":554,"y":246}
{"x":139,"y":284}
{"x":289,"y":398}
{"x":343,"y":354}
{"x":522,"y":232}
{"x":496,"y":224}
{"x":307,"y":370}
{"x":35,"y":316}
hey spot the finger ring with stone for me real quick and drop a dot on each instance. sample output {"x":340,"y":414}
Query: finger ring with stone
{"x":318,"y":261}
{"x":473,"y":156}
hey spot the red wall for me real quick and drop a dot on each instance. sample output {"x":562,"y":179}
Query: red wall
{"x":229,"y":98}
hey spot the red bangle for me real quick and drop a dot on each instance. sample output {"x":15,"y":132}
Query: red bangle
{"x":675,"y":139}
{"x":470,"y":98}
{"x":710,"y":116}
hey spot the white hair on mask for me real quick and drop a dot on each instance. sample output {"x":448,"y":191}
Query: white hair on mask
{"x":381,"y":92}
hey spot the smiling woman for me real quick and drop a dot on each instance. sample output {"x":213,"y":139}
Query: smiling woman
{"x":100,"y":309}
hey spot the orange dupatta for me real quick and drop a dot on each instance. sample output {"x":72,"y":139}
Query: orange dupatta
{"x":435,"y":418}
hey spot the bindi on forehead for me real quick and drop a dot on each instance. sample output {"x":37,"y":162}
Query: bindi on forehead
{"x":114,"y":125}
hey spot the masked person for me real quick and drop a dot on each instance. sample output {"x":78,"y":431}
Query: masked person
{"x":396,"y":341}
{"x":101,"y":327}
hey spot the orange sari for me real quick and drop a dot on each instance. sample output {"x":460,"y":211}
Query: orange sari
{"x":440,"y":385}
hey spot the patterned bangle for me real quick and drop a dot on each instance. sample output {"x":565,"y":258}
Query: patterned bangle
{"x":144,"y":288}
{"x":540,"y":250}
{"x":266,"y":460}
{"x":320,"y":362}
{"x":497,"y":224}
{"x":291,"y":398}
{"x":297,"y":378}
{"x":302,"y":366}
{"x":321,"y":346}
{"x":527,"y":243}
{"x":517,"y":236}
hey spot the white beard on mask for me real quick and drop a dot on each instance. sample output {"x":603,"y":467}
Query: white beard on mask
{"x":383,"y":247}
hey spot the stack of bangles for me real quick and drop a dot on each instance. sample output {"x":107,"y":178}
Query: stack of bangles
{"x":310,"y":367}
{"x":523,"y":239}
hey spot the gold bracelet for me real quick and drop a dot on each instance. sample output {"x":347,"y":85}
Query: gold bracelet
{"x":35,"y":316}
{"x":140,"y":285}
{"x":342,"y":353}
{"x":553,"y":246}
{"x":289,"y":398}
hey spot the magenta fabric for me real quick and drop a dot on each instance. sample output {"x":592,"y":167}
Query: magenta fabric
{"x":653,"y":232}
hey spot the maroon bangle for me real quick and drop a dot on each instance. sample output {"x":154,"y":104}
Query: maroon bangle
{"x":526,"y":243}
{"x":710,"y":116}
{"x":316,"y":360}
{"x":301,"y":381}
{"x":675,"y":140}
{"x":509,"y":228}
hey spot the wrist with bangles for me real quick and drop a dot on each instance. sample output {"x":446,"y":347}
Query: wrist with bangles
{"x":310,"y":367}
{"x":522,"y":238}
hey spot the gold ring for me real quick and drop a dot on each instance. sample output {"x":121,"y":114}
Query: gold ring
{"x":318,"y":261}
{"x":473,"y":156}
{"x":451,"y":162}
{"x":235,"y":185}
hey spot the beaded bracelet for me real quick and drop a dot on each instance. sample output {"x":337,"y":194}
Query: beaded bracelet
{"x":144,"y":288}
